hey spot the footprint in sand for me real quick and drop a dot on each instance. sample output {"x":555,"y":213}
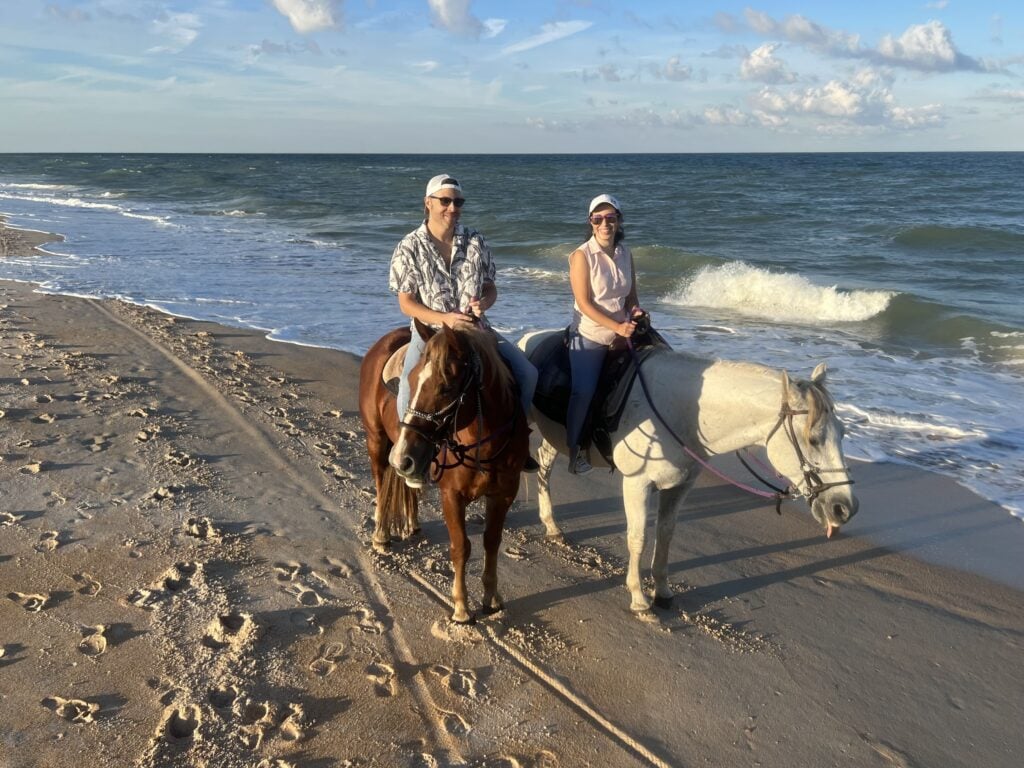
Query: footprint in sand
{"x":34,"y":468}
{"x":45,"y":418}
{"x":179,"y":578}
{"x":228,"y":630}
{"x":201,"y":528}
{"x":461,"y":681}
{"x":181,"y":724}
{"x":274,"y":762}
{"x":223,"y":698}
{"x":368,"y":621}
{"x":140,"y":413}
{"x":144,"y":598}
{"x":90,"y":586}
{"x":94,"y":640}
{"x":383,"y":677}
{"x":291,"y":727}
{"x":454,"y":723}
{"x":288,"y":570}
{"x":304,"y":595}
{"x":276,"y":380}
{"x":32,"y":603}
{"x":163,"y":493}
{"x":338,"y":568}
{"x":72,"y":710}
{"x":6,"y":518}
{"x":328,"y":658}
{"x":48,"y":541}
{"x":44,"y":398}
{"x":147,"y":433}
{"x":179,"y":458}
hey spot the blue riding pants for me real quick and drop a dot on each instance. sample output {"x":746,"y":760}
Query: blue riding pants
{"x":585,"y":360}
{"x":522,"y":369}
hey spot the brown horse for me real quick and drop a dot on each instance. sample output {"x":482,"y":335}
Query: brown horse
{"x":464,"y":430}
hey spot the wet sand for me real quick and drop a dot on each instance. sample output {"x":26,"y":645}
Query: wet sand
{"x":186,"y":580}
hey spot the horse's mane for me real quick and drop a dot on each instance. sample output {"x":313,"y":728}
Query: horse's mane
{"x":497,"y":376}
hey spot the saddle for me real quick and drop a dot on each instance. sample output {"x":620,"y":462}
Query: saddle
{"x":392,"y":372}
{"x":554,"y":383}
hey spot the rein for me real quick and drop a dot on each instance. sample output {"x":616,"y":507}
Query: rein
{"x":812,"y":478}
{"x":442,"y":437}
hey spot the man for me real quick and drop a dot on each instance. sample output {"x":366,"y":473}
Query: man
{"x":444,"y":275}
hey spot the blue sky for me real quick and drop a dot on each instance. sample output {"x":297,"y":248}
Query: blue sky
{"x":477,"y":76}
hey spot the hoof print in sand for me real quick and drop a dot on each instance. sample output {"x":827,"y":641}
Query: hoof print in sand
{"x":48,"y":541}
{"x":179,"y":458}
{"x":223,"y":698}
{"x":201,"y":528}
{"x":383,"y":678}
{"x":34,"y":468}
{"x":338,"y":568}
{"x":180,"y":577}
{"x":72,"y":710}
{"x":328,"y":658}
{"x":45,"y":418}
{"x":181,"y":724}
{"x":274,"y":762}
{"x":291,"y":726}
{"x":6,"y":518}
{"x":228,"y":631}
{"x":90,"y":587}
{"x":454,"y":723}
{"x":31,"y":603}
{"x":163,"y":493}
{"x":460,"y":681}
{"x":304,"y":596}
{"x":287,"y":571}
{"x":94,"y":640}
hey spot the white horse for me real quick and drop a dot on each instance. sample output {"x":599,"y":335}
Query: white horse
{"x":702,"y":408}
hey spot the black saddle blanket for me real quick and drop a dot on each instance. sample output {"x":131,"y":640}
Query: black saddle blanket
{"x":554,"y":384}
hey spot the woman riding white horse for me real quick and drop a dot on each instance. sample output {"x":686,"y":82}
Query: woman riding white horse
{"x":688,"y":409}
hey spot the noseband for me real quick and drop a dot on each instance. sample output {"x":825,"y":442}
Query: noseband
{"x":815,"y":486}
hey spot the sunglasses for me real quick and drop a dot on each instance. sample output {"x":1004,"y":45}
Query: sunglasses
{"x":458,"y":202}
{"x":598,"y":220}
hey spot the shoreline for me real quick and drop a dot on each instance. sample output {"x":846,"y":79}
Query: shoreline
{"x":187,"y":580}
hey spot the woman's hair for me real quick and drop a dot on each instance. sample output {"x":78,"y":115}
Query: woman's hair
{"x":620,"y":233}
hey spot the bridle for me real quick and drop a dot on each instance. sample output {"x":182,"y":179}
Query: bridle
{"x":442,"y":436}
{"x":814,"y":486}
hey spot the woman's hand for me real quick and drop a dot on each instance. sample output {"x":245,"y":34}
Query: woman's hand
{"x":625,"y":328}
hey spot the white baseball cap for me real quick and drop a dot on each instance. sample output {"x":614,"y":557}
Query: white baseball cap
{"x":601,"y":200}
{"x":443,"y":181}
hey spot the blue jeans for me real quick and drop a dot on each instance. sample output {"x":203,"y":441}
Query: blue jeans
{"x":585,"y":360}
{"x":522,"y":369}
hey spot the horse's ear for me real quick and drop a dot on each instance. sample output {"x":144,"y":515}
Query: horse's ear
{"x":424,"y":330}
{"x":785,"y":387}
{"x":450,"y":337}
{"x":818,"y":377}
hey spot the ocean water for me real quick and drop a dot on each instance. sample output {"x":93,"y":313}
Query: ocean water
{"x":903,"y":272}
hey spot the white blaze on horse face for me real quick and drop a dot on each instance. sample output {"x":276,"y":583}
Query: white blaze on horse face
{"x":426,"y":371}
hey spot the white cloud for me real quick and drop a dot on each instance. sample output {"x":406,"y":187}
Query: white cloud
{"x":427,"y":67}
{"x":549,"y":33}
{"x":799,"y":29}
{"x":454,"y":16}
{"x":865,"y":100}
{"x":923,"y":46}
{"x":181,"y":29}
{"x":494,"y":27}
{"x":725,"y":116}
{"x":68,"y":14}
{"x":675,"y":70}
{"x":308,"y":15}
{"x":762,"y":66}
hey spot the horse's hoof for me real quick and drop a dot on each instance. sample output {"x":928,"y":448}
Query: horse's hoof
{"x":663,"y":602}
{"x":464,"y":622}
{"x":487,"y":611}
{"x":382,"y":547}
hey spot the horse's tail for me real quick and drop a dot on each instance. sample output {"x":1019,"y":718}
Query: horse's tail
{"x":397,"y":505}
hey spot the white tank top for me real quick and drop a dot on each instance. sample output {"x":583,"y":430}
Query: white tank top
{"x":611,"y":280}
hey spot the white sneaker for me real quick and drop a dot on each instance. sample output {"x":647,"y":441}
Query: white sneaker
{"x":581,"y":466}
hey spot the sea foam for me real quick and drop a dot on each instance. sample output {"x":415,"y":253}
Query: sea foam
{"x":756,"y":292}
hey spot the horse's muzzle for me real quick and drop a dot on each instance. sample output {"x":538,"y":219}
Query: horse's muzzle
{"x":834,"y":511}
{"x":411,"y":461}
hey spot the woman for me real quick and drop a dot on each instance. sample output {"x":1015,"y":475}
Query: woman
{"x":604,"y":292}
{"x":444,"y":275}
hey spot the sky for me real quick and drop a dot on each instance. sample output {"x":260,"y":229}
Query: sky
{"x":473,"y":76}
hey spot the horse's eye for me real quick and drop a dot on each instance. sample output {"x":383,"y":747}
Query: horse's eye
{"x":814,"y":441}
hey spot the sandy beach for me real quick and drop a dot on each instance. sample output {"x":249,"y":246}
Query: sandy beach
{"x":186,"y":580}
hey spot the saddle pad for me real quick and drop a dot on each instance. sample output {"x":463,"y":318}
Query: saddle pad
{"x":392,"y":372}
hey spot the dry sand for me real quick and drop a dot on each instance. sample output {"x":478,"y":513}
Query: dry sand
{"x":186,"y":580}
